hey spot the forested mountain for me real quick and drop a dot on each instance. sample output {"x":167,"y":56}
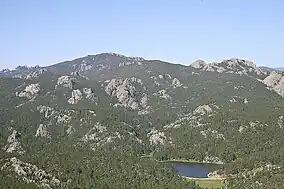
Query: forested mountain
{"x":88,"y":122}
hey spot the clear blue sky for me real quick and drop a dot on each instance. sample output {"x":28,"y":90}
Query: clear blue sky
{"x":45,"y":32}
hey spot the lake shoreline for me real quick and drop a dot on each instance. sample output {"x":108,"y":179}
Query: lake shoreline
{"x":208,"y":179}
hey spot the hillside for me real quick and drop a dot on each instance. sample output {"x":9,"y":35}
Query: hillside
{"x":85,"y":123}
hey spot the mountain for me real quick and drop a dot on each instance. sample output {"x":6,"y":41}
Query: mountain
{"x":280,"y":69}
{"x":106,"y":120}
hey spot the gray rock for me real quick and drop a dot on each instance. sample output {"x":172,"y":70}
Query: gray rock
{"x":89,"y":94}
{"x":234,"y":65}
{"x":65,"y":81}
{"x":30,"y":91}
{"x":275,"y":81}
{"x":157,"y":137}
{"x":76,"y":97}
{"x":42,"y":131}
{"x":176,"y":83}
{"x":163,"y":94}
{"x":144,"y":100}
{"x":35,"y":74}
{"x":47,"y":111}
{"x":31,"y":174}
{"x":63,"y":118}
{"x":124,"y":91}
{"x":199,"y":64}
{"x":14,"y":144}
{"x":203,"y":109}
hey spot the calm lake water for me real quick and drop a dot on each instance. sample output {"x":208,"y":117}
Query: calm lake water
{"x":194,"y":170}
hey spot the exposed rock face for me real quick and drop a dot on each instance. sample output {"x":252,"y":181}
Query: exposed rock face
{"x":65,"y":81}
{"x":76,"y":97}
{"x":14,"y":144}
{"x":42,"y":131}
{"x":89,"y":94}
{"x":236,"y":66}
{"x":82,"y":67}
{"x":47,"y":111}
{"x":163,"y":94}
{"x":144,"y":100}
{"x":275,"y":81}
{"x":124,"y":91}
{"x":123,"y":64}
{"x":203,"y":109}
{"x":63,"y":119}
{"x":35,"y":74}
{"x":199,"y":64}
{"x":176,"y":83}
{"x":157,"y":137}
{"x":30,"y":91}
{"x":31,"y":174}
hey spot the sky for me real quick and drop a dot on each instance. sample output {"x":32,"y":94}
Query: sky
{"x":45,"y":32}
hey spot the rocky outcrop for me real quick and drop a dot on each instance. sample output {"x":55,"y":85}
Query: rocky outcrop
{"x":199,"y":64}
{"x":47,"y":111}
{"x":234,"y":65}
{"x":31,"y":174}
{"x":125,"y":91}
{"x":275,"y":81}
{"x":63,"y":118}
{"x":157,"y":137}
{"x":76,"y":97}
{"x":89,"y":94}
{"x":42,"y":131}
{"x":14,"y":144}
{"x":176,"y":83}
{"x":144,"y":100}
{"x":35,"y":74}
{"x":163,"y":94}
{"x":82,"y":67}
{"x":123,"y":64}
{"x":203,"y":109}
{"x":30,"y":92}
{"x":65,"y":81}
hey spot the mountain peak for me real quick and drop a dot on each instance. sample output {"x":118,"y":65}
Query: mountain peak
{"x":233,"y":65}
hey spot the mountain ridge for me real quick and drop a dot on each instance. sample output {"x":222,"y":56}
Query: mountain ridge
{"x":100,"y":113}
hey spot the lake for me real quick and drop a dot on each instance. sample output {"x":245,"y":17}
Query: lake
{"x":194,"y":170}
